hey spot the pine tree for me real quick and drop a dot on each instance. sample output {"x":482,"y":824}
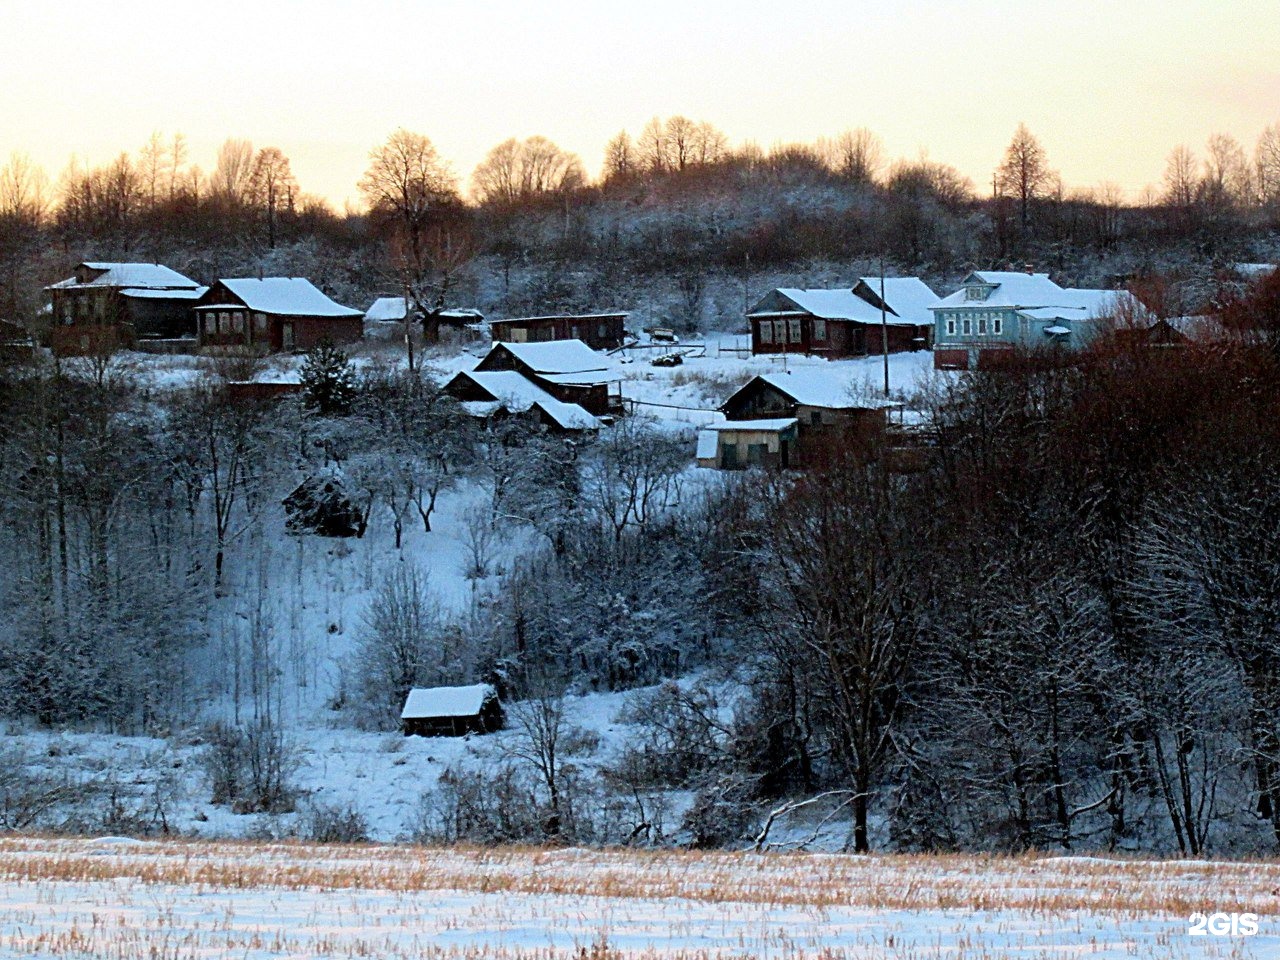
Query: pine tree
{"x":328,"y":386}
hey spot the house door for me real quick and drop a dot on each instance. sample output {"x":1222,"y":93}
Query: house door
{"x":286,"y":335}
{"x":729,"y":456}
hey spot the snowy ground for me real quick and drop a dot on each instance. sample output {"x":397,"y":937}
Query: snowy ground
{"x":127,"y":899}
{"x":310,"y":595}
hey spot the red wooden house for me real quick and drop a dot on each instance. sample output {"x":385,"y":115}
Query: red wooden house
{"x":272,"y":315}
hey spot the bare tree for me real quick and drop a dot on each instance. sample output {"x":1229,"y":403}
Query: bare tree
{"x":272,"y":187}
{"x":1024,"y":173}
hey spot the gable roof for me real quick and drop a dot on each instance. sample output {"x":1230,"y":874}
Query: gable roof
{"x":909,"y":297}
{"x":556,"y":356}
{"x":815,"y":387}
{"x":286,"y":296}
{"x":848,"y":305}
{"x":387,"y":308}
{"x":155,"y":276}
{"x":1038,"y":297}
{"x":427,"y":702}
{"x":517,"y":393}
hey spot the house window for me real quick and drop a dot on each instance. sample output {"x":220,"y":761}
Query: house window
{"x":779,"y":331}
{"x":982,"y":324}
{"x":967,"y":325}
{"x":237,"y":322}
{"x":210,"y":323}
{"x":602,"y":331}
{"x":975,"y":293}
{"x":951,"y":326}
{"x":997,"y":325}
{"x":260,"y":322}
{"x":819,"y":329}
{"x":793,"y":331}
{"x":766,"y":332}
{"x":815,"y":417}
{"x":224,"y":323}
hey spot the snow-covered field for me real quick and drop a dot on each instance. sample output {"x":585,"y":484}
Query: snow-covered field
{"x":129,"y":899}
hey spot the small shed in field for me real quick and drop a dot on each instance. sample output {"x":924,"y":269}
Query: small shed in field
{"x":451,"y":711}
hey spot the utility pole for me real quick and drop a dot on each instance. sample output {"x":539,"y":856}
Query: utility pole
{"x":408,"y":327}
{"x":884,"y":330}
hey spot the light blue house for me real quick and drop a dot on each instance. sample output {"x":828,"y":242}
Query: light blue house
{"x":995,"y":312}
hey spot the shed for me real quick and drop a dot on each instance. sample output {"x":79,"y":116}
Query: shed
{"x":451,"y":711}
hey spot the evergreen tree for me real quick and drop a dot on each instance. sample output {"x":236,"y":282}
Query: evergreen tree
{"x":328,"y":386}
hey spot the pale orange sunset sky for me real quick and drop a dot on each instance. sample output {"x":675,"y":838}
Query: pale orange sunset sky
{"x":1109,"y":88}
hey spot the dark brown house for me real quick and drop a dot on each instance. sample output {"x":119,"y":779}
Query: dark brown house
{"x":811,"y":410}
{"x":451,"y":711}
{"x":272,"y":315}
{"x":569,"y":370}
{"x":492,"y":394}
{"x":599,"y":331}
{"x":844,"y":323}
{"x":105,"y":306}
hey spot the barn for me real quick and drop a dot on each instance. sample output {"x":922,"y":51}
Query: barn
{"x":451,"y":711}
{"x":599,"y":331}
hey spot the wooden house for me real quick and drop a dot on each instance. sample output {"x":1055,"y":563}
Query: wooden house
{"x":16,"y":345}
{"x":458,"y":325}
{"x":998,"y":314}
{"x":844,"y":322}
{"x":568,"y":370}
{"x":788,"y":420}
{"x":489,"y":393}
{"x":272,"y":315}
{"x":599,"y":331}
{"x":105,"y":306}
{"x":451,"y":711}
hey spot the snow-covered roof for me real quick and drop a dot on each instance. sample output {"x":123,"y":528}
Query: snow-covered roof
{"x":1254,"y":270}
{"x":517,"y":393}
{"x":386,"y":308}
{"x":153,"y":275}
{"x":140,"y":293}
{"x":908,"y":300}
{"x":708,"y":444}
{"x":568,"y":416}
{"x":286,"y":297}
{"x":909,"y":297}
{"x":769,"y":426}
{"x":1037,"y":296}
{"x":557,"y":356}
{"x":830,"y":305}
{"x":424,"y":703}
{"x":1057,"y":331}
{"x":817,"y":387}
{"x":461,"y":313}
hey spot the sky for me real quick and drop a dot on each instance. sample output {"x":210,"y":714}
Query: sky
{"x":1109,"y":88}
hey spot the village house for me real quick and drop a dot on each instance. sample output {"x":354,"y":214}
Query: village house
{"x":487,"y":394}
{"x":568,"y":370}
{"x":844,"y":323}
{"x":599,"y":331}
{"x":272,"y":315}
{"x":459,"y":325}
{"x":451,"y":711}
{"x":994,"y":314}
{"x":16,"y":345}
{"x":105,"y":306}
{"x":786,"y":420}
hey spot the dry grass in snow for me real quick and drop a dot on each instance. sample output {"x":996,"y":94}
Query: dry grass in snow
{"x":127,"y":899}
